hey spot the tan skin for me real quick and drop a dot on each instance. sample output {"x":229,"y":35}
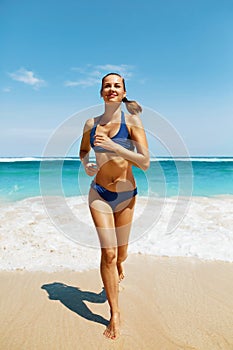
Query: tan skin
{"x":114,"y":172}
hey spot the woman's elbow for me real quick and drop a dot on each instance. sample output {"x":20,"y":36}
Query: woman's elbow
{"x":145,"y":164}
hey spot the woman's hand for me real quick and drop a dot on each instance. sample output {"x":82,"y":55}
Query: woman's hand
{"x":90,"y":168}
{"x":104,"y":141}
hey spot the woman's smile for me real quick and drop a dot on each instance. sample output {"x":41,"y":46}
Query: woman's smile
{"x":112,"y":95}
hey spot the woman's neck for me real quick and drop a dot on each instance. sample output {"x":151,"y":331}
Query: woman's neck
{"x":112,"y":112}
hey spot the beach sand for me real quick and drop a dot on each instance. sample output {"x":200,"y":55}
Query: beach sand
{"x":166,"y":304}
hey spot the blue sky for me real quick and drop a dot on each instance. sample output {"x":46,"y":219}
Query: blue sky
{"x":176,"y":56}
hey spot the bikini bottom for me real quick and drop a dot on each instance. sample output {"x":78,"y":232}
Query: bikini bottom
{"x":113,"y":198}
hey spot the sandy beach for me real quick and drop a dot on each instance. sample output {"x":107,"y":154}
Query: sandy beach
{"x":177,"y":293}
{"x":166,"y":303}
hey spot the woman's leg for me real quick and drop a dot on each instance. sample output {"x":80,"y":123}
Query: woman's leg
{"x":109,"y":274}
{"x":104,"y":222}
{"x":113,"y":230}
{"x":123,"y":220}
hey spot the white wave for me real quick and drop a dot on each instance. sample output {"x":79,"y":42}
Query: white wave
{"x":193,"y":159}
{"x":152,"y":159}
{"x":17,"y":159}
{"x":30,"y":241}
{"x":34,"y":159}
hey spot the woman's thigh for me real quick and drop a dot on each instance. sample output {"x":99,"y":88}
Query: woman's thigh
{"x":113,"y":227}
{"x":103,"y":218}
{"x":123,"y":221}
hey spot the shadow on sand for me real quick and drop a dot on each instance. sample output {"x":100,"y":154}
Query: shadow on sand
{"x":73,"y":298}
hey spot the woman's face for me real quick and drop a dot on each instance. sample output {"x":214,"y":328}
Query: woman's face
{"x":113,"y":89}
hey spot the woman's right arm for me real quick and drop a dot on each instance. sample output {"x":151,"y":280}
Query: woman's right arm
{"x":85,"y":147}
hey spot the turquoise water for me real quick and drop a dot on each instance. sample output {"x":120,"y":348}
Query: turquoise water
{"x":23,"y":178}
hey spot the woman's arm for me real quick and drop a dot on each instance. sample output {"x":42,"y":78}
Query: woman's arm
{"x":85,"y":147}
{"x":141,"y":159}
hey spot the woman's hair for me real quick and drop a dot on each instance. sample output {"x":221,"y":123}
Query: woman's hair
{"x":132,"y":106}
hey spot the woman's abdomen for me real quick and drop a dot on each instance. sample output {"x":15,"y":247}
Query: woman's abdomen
{"x":115,"y":175}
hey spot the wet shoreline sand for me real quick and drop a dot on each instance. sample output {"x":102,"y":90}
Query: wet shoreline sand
{"x":166,"y":304}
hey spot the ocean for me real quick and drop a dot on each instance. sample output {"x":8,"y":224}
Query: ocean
{"x":205,"y":176}
{"x":183,"y":208}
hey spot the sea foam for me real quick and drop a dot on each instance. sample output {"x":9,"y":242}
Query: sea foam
{"x":29,"y":240}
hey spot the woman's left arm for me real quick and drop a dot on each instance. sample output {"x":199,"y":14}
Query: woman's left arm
{"x":141,"y":158}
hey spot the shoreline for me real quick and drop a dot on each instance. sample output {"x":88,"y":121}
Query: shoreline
{"x":166,"y":303}
{"x":30,"y":240}
{"x":63,"y":270}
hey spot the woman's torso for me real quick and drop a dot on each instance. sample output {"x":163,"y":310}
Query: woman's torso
{"x":114,"y":172}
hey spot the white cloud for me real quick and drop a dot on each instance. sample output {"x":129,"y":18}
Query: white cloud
{"x":122,"y":69}
{"x":6,"y":89}
{"x":27,"y":77}
{"x":92,"y":74}
{"x":83,"y":82}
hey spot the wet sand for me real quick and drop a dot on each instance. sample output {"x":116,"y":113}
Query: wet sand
{"x":166,"y":304}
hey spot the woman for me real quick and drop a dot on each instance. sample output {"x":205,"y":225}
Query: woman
{"x":114,"y":137}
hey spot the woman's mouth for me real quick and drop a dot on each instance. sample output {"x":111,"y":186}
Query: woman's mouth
{"x":112,"y":95}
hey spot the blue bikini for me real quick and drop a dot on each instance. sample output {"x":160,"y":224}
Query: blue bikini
{"x":122,"y":138}
{"x":113,"y":198}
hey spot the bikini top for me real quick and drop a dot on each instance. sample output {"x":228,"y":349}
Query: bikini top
{"x":121,"y":138}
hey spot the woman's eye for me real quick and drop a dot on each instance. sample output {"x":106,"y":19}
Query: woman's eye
{"x":108,"y":86}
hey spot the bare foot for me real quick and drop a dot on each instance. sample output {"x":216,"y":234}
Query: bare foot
{"x":113,"y":329}
{"x":120,"y":271}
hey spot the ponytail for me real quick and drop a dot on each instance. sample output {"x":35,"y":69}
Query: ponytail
{"x":132,"y":106}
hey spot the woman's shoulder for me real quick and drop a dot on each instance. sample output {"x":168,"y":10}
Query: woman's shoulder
{"x":133,"y":120}
{"x":89,"y":124}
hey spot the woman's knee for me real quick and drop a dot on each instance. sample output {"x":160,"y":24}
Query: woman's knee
{"x":121,"y":257}
{"x":109,"y":256}
{"x":122,"y":253}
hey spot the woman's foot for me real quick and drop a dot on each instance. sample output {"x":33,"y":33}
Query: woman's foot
{"x":120,"y":271}
{"x":113,"y":329}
